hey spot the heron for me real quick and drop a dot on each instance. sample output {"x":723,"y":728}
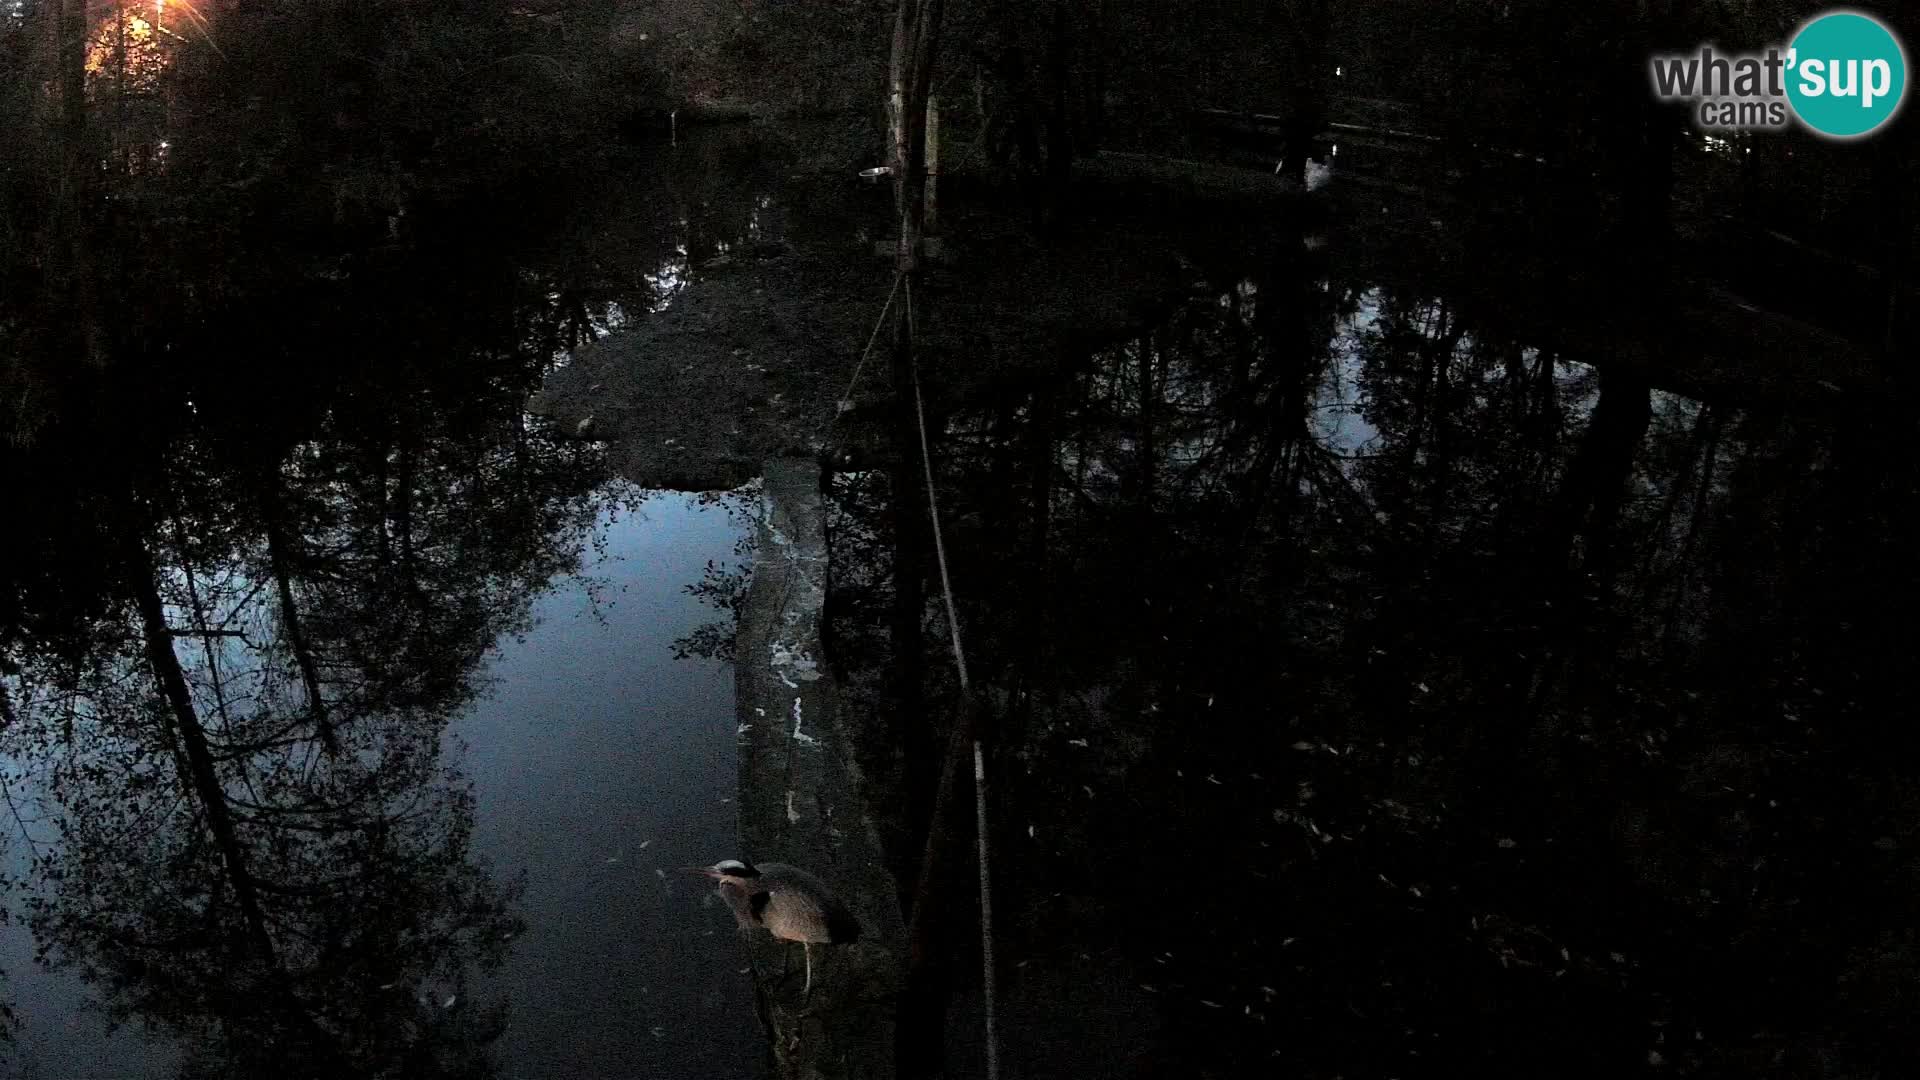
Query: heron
{"x":789,"y":902}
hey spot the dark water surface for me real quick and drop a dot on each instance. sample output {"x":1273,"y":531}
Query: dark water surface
{"x":1378,"y":694}
{"x":352,"y":718}
{"x":600,"y":758}
{"x":1377,"y":690}
{"x":603,"y":763}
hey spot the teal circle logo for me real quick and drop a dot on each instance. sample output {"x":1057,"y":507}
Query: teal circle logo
{"x":1846,"y":74}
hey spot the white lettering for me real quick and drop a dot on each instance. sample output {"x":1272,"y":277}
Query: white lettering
{"x":1848,"y":86}
{"x":1878,"y":82}
{"x":1813,"y":77}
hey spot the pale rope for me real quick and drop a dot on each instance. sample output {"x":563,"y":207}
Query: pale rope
{"x":845,"y":401}
{"x":979,"y":756}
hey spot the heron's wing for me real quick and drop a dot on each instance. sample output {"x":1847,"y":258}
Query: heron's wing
{"x":804,"y":909}
{"x":781,"y":876}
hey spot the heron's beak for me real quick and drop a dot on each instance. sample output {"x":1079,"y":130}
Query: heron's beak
{"x":705,"y":871}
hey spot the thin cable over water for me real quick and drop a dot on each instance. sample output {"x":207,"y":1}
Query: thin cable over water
{"x":845,"y":401}
{"x":979,"y":756}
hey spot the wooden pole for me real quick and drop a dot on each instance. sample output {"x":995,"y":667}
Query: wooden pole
{"x":923,"y":1004}
{"x":927,"y":242}
{"x":929,"y":228}
{"x":897,"y":110}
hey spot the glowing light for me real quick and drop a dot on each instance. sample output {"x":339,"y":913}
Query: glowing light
{"x":128,"y":47}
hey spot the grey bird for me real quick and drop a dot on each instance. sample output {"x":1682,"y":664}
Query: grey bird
{"x":789,"y":902}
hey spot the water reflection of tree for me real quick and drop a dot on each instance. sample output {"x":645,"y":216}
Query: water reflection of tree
{"x":1532,"y":731}
{"x":282,"y":495}
{"x":722,"y":587}
{"x":261,"y":846}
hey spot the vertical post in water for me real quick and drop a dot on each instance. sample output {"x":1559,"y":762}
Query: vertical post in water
{"x":897,"y":149}
{"x":897,"y":111}
{"x":909,"y":606}
{"x":929,"y":228}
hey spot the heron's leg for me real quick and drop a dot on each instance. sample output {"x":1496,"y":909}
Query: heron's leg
{"x":806,"y":992}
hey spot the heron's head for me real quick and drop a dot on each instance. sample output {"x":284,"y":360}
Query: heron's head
{"x":727,"y":870}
